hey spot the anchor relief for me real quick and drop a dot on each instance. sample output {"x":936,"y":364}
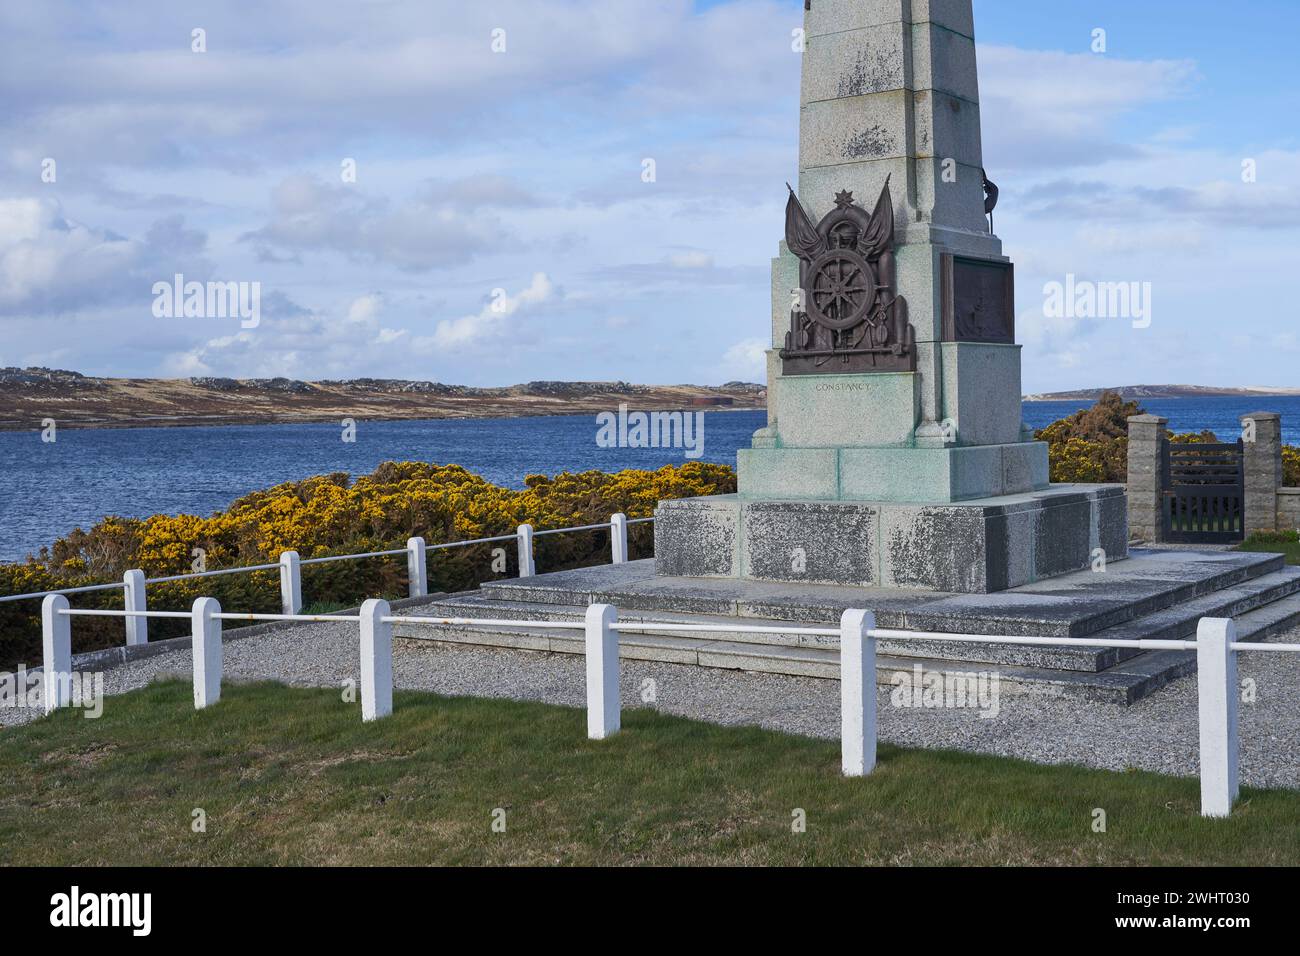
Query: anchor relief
{"x":849,"y":317}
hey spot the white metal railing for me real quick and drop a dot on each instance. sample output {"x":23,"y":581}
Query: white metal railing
{"x":134,"y":584}
{"x":1216,"y":649}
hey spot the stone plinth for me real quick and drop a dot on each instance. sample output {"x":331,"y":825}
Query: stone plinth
{"x":1145,"y":437}
{"x":1263,"y":468}
{"x":978,"y":546}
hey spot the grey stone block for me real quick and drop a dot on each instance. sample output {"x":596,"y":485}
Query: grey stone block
{"x":698,"y":537}
{"x":822,"y":543}
{"x":1111,"y":521}
{"x":944,"y":60}
{"x":967,"y":547}
{"x":947,"y":127}
{"x":854,"y":63}
{"x":1063,"y":537}
{"x":981,"y":392}
{"x":853,"y":130}
{"x":955,"y":15}
{"x":1024,"y":467}
{"x":937,"y":548}
{"x":958,"y":203}
{"x":835,"y":16}
{"x":820,"y":181}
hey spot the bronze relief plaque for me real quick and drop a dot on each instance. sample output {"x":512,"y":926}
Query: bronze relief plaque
{"x":979,"y":300}
{"x":849,"y":316}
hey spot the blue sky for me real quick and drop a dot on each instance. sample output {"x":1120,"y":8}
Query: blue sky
{"x":514,"y":179}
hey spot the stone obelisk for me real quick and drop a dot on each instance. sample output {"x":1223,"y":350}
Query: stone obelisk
{"x":894,"y":453}
{"x":890,"y":94}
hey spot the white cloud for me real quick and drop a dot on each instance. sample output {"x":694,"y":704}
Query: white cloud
{"x":694,"y":259}
{"x":490,"y":323}
{"x":423,"y":232}
{"x":297,"y":343}
{"x":1050,"y":109}
{"x":45,"y":259}
{"x":746,"y":360}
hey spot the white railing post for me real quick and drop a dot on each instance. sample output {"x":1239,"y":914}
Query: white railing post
{"x":618,"y":537}
{"x":526,"y":567}
{"x":376,"y":660}
{"x":290,"y":582}
{"x":1216,"y":679}
{"x":604,"y":715}
{"x":56,"y":645}
{"x":133,"y":599}
{"x":205,"y":643}
{"x":417,"y":568}
{"x":857,"y":693}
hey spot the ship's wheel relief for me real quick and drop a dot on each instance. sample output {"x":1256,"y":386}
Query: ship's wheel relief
{"x":849,"y":319}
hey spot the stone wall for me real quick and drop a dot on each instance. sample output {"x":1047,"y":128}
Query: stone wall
{"x":1288,"y":509}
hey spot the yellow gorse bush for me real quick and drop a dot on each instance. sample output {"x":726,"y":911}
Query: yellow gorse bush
{"x":333,"y":514}
{"x":1290,"y":466}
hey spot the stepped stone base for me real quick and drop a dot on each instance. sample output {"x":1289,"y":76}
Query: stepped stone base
{"x":1154,"y":594}
{"x":979,"y":546}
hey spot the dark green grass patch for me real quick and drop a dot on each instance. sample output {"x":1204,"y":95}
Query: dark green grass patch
{"x":1280,"y":542}
{"x":290,"y":776}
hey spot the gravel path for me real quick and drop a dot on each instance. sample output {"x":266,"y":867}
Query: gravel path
{"x":1158,"y":733}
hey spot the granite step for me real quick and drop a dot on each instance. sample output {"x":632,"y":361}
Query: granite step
{"x":1072,"y":605}
{"x":1123,"y":682}
{"x":1170,"y":623}
{"x":798,"y":660}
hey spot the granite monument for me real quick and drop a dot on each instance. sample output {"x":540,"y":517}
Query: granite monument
{"x":894,"y":453}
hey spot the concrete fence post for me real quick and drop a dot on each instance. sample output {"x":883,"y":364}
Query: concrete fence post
{"x":133,"y":599}
{"x":290,"y":582}
{"x":604,"y":714}
{"x":376,"y":660}
{"x":206,"y":647}
{"x":56,"y":647}
{"x":1216,"y":679}
{"x":1261,"y":434}
{"x":526,"y":567}
{"x":417,"y":568}
{"x":618,"y":537}
{"x":1146,"y":435}
{"x":857,"y":693}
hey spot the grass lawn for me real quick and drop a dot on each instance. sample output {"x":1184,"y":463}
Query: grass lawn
{"x":1290,"y":548}
{"x":289,"y":776}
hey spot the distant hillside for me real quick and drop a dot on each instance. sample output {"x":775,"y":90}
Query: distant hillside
{"x":27,"y":396}
{"x":1159,"y":391}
